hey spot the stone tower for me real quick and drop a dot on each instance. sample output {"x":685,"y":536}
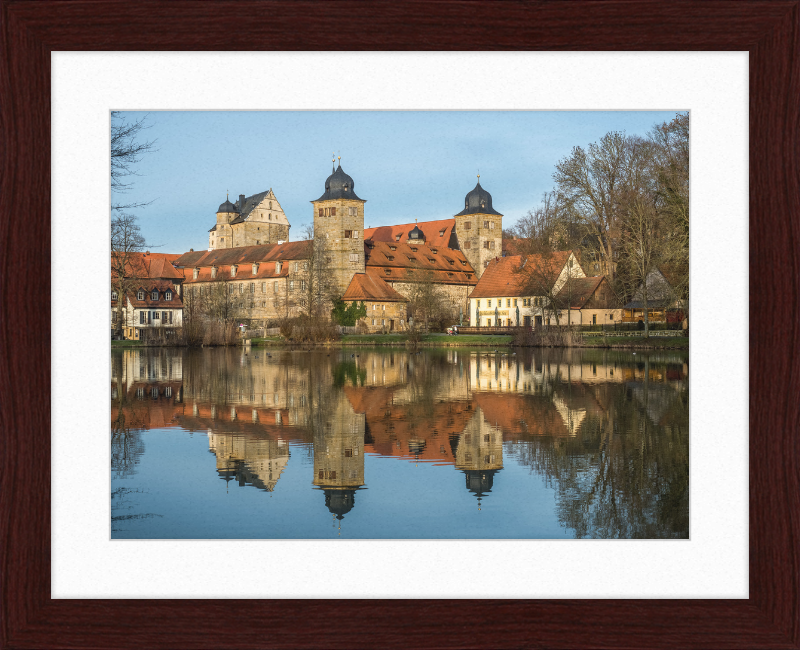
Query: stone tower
{"x":221,"y":235}
{"x":479,"y":228}
{"x":339,"y":219}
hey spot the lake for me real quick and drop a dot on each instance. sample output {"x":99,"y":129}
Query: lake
{"x":360,"y":443}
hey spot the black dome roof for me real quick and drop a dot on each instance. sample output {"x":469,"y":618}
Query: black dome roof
{"x":340,"y":502}
{"x":339,"y":186}
{"x":416,"y":233}
{"x":480,"y":481}
{"x":227,"y":207}
{"x":478,"y":201}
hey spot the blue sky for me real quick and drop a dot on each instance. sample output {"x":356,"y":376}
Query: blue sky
{"x":406,"y":164}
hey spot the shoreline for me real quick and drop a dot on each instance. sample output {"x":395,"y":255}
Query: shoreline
{"x":493,"y":341}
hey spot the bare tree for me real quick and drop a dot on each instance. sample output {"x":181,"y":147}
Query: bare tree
{"x":127,"y":268}
{"x":549,"y":226}
{"x":427,"y":299}
{"x":543,"y":276}
{"x":592,"y":181}
{"x":671,"y":161}
{"x":126,"y":151}
{"x":318,"y":288}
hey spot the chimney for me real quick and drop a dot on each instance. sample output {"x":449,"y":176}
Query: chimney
{"x":241,"y":202}
{"x":147,"y":252}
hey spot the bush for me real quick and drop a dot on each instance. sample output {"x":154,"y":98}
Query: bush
{"x":553,"y":337}
{"x":348,"y":315}
{"x":414,"y":335}
{"x":305,"y":329}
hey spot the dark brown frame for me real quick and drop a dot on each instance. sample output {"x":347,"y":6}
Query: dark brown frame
{"x":769,"y":30}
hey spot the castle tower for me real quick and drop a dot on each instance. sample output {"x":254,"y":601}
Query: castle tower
{"x":479,"y":228}
{"x":339,"y":218}
{"x":221,"y":234}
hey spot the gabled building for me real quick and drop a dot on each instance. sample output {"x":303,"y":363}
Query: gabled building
{"x":250,"y":221}
{"x":152,"y":294}
{"x":507,"y":296}
{"x":588,"y":301}
{"x":657,"y":297}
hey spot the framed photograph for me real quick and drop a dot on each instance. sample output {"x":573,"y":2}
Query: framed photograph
{"x":68,"y":582}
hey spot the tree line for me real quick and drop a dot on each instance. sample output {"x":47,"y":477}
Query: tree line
{"x":623,"y":204}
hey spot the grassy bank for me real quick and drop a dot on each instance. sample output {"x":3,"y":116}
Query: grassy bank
{"x":479,"y":340}
{"x":127,"y":344}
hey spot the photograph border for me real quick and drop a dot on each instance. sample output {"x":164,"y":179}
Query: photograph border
{"x":769,"y":31}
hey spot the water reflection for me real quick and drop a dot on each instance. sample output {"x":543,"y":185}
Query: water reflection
{"x":605,"y":433}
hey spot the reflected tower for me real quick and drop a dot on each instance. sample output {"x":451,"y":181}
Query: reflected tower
{"x":479,"y":454}
{"x":339,"y":455}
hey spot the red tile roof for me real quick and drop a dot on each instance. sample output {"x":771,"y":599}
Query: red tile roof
{"x":244,"y":271}
{"x":503,"y":277}
{"x":365,"y":286}
{"x":580,"y":290}
{"x":295,"y":250}
{"x":147,"y":286}
{"x":152,"y":265}
{"x":403,"y":261}
{"x":431,"y":229}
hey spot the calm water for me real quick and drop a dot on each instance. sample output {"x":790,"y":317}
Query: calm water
{"x":366,"y":443}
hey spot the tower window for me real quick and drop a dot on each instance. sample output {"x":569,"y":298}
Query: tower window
{"x":486,"y":224}
{"x":468,"y":225}
{"x":491,"y":225}
{"x":467,"y":245}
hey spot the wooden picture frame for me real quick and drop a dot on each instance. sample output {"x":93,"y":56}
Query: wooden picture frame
{"x":768,"y":30}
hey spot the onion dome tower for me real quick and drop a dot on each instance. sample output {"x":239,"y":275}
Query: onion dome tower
{"x":479,"y":228}
{"x":339,"y":219}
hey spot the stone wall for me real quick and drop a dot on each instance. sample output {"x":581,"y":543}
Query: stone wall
{"x":385,"y":317}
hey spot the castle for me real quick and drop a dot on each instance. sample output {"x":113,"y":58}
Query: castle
{"x":269,"y":275}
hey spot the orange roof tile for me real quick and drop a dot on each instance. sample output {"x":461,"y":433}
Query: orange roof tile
{"x":580,"y":290}
{"x":295,"y":250}
{"x":365,"y":286}
{"x":398,"y":262}
{"x":437,"y":233}
{"x":244,"y":271}
{"x":503,"y":277}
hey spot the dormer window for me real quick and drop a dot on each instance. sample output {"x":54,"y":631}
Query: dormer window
{"x":414,"y":250}
{"x":168,"y":295}
{"x":213,"y":272}
{"x":387,"y":271}
{"x":397,"y":238}
{"x":463,"y":262}
{"x":449,"y":260}
{"x":393,"y":248}
{"x":233,"y":270}
{"x":434,"y":251}
{"x":431,"y":260}
{"x":113,"y":295}
{"x":255,"y":268}
{"x":441,"y":232}
{"x":195,"y":273}
{"x":154,"y":295}
{"x":277,"y":267}
{"x":140,"y":295}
